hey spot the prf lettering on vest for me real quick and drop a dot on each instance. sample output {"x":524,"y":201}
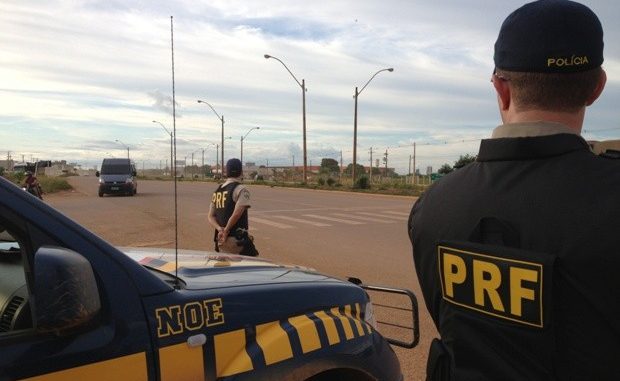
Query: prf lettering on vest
{"x":174,"y":320}
{"x":219,"y":199}
{"x":504,"y":288}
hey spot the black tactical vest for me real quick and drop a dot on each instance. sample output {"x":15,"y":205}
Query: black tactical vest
{"x":224,"y":207}
{"x":517,"y":257}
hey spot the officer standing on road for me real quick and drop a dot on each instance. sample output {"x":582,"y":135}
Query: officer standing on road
{"x":518,"y":253}
{"x":229,"y":209}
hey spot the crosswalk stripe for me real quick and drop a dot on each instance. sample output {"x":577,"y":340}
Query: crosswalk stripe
{"x":334,"y":219}
{"x":397,"y":213}
{"x":302,"y":221}
{"x":271,"y":223}
{"x":383,"y":216}
{"x":363,"y":218}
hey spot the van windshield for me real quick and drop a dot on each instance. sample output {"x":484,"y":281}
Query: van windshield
{"x":115,"y":169}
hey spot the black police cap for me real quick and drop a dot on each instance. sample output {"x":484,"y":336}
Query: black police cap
{"x":233,"y":168}
{"x":550,"y":36}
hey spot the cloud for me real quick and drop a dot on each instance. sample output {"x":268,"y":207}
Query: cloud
{"x":163,"y":103}
{"x":82,"y":74}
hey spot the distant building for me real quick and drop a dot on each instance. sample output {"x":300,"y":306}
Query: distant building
{"x":7,"y":164}
{"x":599,"y":147}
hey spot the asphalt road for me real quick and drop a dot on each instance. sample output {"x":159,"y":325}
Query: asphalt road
{"x":338,"y":233}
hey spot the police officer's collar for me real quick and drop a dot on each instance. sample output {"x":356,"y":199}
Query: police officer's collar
{"x":531,"y":147}
{"x":521,"y":130}
{"x":232,"y":180}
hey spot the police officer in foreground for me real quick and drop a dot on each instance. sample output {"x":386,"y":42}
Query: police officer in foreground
{"x":518,"y":253}
{"x":228,"y":211}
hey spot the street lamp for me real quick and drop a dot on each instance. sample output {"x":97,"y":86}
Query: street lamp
{"x":357,"y":93}
{"x":303,"y":94}
{"x":221,"y":118}
{"x":171,"y":159}
{"x":118,"y":141}
{"x":242,"y":138}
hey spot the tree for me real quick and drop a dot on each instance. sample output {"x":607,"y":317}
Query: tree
{"x":329,"y":166}
{"x":464,"y":160}
{"x":445,"y":169}
{"x":359,"y":169}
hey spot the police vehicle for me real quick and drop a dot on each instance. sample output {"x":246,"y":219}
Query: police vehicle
{"x":72,"y":307}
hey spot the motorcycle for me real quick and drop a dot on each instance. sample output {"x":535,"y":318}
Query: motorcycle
{"x":34,"y":190}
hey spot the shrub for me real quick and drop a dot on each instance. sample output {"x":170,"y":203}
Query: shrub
{"x":321,"y":181}
{"x":331,"y":182}
{"x":362,"y":183}
{"x":53,"y":184}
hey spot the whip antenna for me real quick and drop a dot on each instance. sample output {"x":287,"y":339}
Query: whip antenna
{"x":174,"y":131}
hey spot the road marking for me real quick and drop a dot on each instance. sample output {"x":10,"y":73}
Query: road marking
{"x":302,"y":221}
{"x":383,"y":216}
{"x":271,"y":223}
{"x":363,"y":218}
{"x":334,"y":219}
{"x":397,"y":213}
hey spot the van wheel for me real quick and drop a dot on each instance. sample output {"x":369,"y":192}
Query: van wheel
{"x":100,"y":194}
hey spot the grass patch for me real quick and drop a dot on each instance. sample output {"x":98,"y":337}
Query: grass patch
{"x":48,"y":184}
{"x":54,"y":184}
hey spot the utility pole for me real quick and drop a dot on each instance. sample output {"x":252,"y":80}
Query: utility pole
{"x":414,"y":163}
{"x":370,"y":174}
{"x":409,"y":163}
{"x":341,"y":169}
{"x":385,"y":158}
{"x":217,"y":161}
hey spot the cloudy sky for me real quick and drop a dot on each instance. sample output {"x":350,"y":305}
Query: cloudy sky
{"x":83,"y":80}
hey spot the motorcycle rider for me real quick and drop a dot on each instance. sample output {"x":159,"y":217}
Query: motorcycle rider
{"x":31,"y":184}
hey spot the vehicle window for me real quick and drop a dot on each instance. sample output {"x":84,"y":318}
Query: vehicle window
{"x":115,"y":169}
{"x":15,"y":309}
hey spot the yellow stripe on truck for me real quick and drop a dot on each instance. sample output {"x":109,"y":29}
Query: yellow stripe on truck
{"x":129,"y":368}
{"x":230,"y":354}
{"x":330,"y":327}
{"x":181,"y":362}
{"x":346,"y":324}
{"x":358,"y":325}
{"x":274,"y":342}
{"x":306,"y":330}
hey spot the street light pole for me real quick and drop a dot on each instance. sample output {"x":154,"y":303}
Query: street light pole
{"x":221,"y":118}
{"x":243,"y":138}
{"x":357,"y":93}
{"x":118,"y":141}
{"x":302,"y":84}
{"x":169,"y":133}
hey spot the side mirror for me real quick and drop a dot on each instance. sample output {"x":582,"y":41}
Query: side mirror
{"x":65,"y":290}
{"x":97,"y":173}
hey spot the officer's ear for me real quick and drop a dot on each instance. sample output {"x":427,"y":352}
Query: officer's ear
{"x":599,"y":88}
{"x":502,"y":88}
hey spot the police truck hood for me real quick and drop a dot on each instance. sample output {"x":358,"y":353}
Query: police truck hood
{"x":203,"y":270}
